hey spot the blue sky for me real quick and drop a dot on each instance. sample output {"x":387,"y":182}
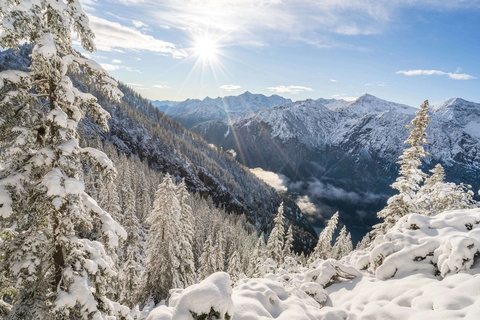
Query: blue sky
{"x":399,"y":50}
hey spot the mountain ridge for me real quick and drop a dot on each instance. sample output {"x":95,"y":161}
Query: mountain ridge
{"x":352,"y":151}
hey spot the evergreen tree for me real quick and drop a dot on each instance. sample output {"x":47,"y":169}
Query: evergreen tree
{"x":44,"y":211}
{"x":276,"y":239}
{"x":257,"y":258}
{"x":163,"y":264}
{"x":343,"y":244}
{"x":410,"y":175}
{"x":323,"y":248}
{"x":131,"y":258}
{"x":288,"y":248}
{"x":234,"y":267}
{"x":364,"y":243}
{"x":436,"y":195}
{"x":187,"y":266}
{"x":207,"y":261}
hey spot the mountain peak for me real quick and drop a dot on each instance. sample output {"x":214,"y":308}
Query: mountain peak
{"x":368,"y":103}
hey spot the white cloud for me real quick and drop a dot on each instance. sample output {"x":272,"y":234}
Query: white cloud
{"x":139,"y":24}
{"x":109,"y":67}
{"x":376,"y":84}
{"x":333,"y":80}
{"x":113,"y":67}
{"x":135,"y":84}
{"x":304,"y":203}
{"x":110,"y":36}
{"x":160,"y":86}
{"x":116,"y":61}
{"x":276,"y":180}
{"x":230,"y":87}
{"x":289,"y":89}
{"x":454,"y":76}
{"x":343,"y":96}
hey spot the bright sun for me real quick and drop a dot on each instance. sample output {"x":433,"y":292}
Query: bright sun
{"x":205,"y":48}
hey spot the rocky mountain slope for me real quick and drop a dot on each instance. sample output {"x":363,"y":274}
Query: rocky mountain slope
{"x":343,"y":154}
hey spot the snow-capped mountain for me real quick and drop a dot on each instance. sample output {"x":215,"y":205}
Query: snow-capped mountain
{"x":194,"y":111}
{"x":344,"y":154}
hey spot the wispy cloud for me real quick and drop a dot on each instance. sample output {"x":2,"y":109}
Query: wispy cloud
{"x":161,"y":86}
{"x":230,"y":87}
{"x":139,"y":24}
{"x":289,"y":89}
{"x":454,"y":76}
{"x":112,"y":35}
{"x":110,"y":67}
{"x":116,"y":61}
{"x":258,"y":22}
{"x":343,"y":96}
{"x":113,"y":67}
{"x":333,"y":80}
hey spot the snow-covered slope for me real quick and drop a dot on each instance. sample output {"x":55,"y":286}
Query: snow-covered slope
{"x":367,"y":104}
{"x":423,"y":268}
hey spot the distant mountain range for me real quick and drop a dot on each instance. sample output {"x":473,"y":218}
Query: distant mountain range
{"x":343,"y":155}
{"x":194,"y":111}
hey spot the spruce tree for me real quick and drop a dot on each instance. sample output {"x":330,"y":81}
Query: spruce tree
{"x":323,"y":248}
{"x":343,"y":245}
{"x":288,"y":247}
{"x":234,"y":267}
{"x":186,"y":260}
{"x":131,"y":258}
{"x":436,"y":195}
{"x":44,"y":211}
{"x":163,"y":266}
{"x":257,"y":258}
{"x":410,"y":175}
{"x":276,"y":239}
{"x":207,"y":260}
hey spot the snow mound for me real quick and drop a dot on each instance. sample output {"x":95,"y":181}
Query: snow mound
{"x":209,"y":297}
{"x":267,"y":299}
{"x":443,"y":244}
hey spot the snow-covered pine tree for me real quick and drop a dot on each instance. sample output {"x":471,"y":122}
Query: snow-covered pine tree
{"x":257,"y":258}
{"x":219,"y":252}
{"x":131,"y":258}
{"x":187,"y":266}
{"x":207,"y":260}
{"x":44,"y":211}
{"x":364,"y":243}
{"x":410,"y":175}
{"x":162,"y":266}
{"x":323,"y":248}
{"x":288,"y":247}
{"x":343,"y":244}
{"x":234,"y":267}
{"x":276,"y":239}
{"x":436,"y":195}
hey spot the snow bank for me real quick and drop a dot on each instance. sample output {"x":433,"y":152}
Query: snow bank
{"x":443,"y":244}
{"x":416,"y":295}
{"x":211,"y":296}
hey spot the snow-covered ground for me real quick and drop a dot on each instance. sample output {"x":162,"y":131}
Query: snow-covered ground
{"x":423,"y":268}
